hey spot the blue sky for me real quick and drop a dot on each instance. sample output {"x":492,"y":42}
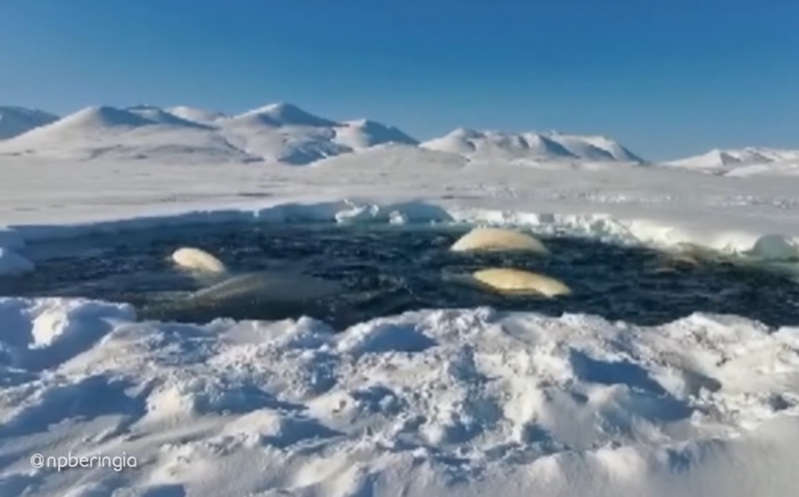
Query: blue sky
{"x":667,"y":78}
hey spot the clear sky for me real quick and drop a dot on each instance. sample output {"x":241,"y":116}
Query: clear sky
{"x":666,"y":78}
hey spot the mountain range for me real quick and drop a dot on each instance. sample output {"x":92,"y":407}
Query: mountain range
{"x":284,"y":133}
{"x":275,"y":133}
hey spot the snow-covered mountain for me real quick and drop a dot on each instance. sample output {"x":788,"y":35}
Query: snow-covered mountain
{"x":17,"y":120}
{"x":745,"y":161}
{"x":134,"y":133}
{"x":731,"y":158}
{"x":594,"y":147}
{"x":273,"y":133}
{"x":497,"y":145}
{"x":363,"y":133}
{"x":285,"y":133}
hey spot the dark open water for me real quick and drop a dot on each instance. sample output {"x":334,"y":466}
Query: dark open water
{"x":383,"y":270}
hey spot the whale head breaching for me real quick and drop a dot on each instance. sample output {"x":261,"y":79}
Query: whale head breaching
{"x":198,"y":260}
{"x":520,"y":282}
{"x":498,"y":239}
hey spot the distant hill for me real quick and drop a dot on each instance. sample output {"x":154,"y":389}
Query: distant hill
{"x":18,"y":120}
{"x":488,"y":145}
{"x":274,"y":133}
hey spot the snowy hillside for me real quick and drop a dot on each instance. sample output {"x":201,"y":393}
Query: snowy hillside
{"x":497,"y":145}
{"x":363,"y":133}
{"x":135,"y":133}
{"x":743,"y":162}
{"x":17,"y":120}
{"x":274,"y":133}
{"x":285,"y":133}
{"x":594,"y":147}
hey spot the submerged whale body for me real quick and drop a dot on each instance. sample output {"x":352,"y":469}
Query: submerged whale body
{"x":274,"y":295}
{"x":498,"y":239}
{"x":197,"y":260}
{"x":520,"y":282}
{"x":272,"y":286}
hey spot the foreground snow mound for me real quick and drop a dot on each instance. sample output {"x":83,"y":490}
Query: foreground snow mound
{"x":43,"y":333}
{"x":457,"y":402}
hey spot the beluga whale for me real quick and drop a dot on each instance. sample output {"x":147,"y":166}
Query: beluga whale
{"x":199,"y":260}
{"x":520,"y":282}
{"x":498,"y":239}
{"x":275,"y":293}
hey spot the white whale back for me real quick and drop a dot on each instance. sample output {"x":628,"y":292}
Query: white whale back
{"x":775,"y":248}
{"x":498,"y":239}
{"x":197,"y":260}
{"x":519,"y":281}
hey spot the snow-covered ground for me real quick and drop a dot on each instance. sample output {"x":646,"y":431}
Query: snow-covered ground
{"x":620,"y":201}
{"x":459,"y":402}
{"x":455,"y":402}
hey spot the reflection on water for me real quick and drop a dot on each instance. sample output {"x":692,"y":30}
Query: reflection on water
{"x":349,"y":274}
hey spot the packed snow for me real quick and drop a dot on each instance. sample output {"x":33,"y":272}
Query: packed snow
{"x":457,"y":402}
{"x":434,"y":402}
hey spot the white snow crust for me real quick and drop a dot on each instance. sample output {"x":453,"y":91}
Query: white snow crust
{"x":457,"y":402}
